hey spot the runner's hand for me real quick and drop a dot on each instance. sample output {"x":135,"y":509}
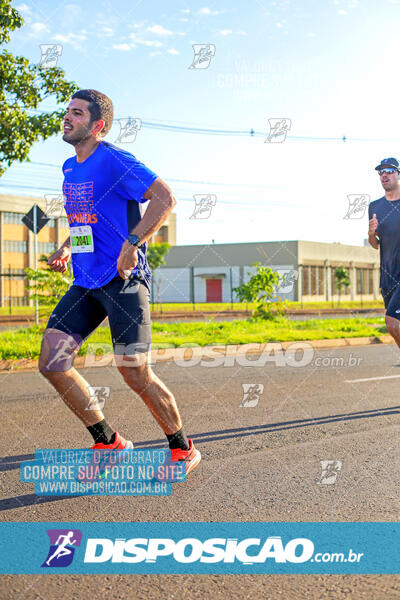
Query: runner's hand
{"x":373,"y":225}
{"x":59,"y":259}
{"x":127,"y":260}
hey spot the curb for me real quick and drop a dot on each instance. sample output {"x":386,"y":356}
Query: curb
{"x":188,"y":353}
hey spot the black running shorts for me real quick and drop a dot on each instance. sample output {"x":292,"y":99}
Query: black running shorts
{"x":126,"y":303}
{"x":391,"y":299}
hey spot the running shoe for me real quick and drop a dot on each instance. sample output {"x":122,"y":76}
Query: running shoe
{"x":191,"y":457}
{"x":102,"y":461}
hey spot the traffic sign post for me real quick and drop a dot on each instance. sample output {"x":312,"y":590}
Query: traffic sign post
{"x":35,"y":220}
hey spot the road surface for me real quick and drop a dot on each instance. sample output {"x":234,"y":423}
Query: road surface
{"x":260,"y":463}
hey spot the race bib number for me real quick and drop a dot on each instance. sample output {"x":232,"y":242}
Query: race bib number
{"x":81,"y":239}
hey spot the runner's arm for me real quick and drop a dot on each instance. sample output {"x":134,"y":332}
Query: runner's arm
{"x":67,"y":243}
{"x":373,"y":240}
{"x":372,"y":227}
{"x":161,"y":204}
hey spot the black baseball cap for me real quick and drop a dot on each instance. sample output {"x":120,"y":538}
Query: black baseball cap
{"x":388,"y":162}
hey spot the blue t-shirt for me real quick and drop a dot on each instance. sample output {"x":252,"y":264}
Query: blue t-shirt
{"x":388,"y":214}
{"x":103,"y":199}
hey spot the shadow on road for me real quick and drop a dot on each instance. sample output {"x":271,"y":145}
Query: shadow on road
{"x":13,"y":462}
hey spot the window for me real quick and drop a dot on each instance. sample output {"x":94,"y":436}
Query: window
{"x":321,"y":281}
{"x":15,"y":246}
{"x":314,"y":275}
{"x":15,"y":273}
{"x":63,"y":222}
{"x":365,"y":284}
{"x":306,"y":281}
{"x":12,"y":218}
{"x":315,"y":281}
{"x":46,"y":247}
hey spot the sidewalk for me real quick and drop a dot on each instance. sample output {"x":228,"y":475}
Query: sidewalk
{"x":185,"y":353}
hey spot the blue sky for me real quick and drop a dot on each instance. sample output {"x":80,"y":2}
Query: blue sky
{"x":329,"y":67}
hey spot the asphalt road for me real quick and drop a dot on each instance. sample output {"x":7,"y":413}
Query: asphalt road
{"x":260,"y":463}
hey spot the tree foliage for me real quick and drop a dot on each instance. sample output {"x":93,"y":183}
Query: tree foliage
{"x":342,"y":280}
{"x":155,"y":254}
{"x":48,"y":286}
{"x":23,"y":87}
{"x":260,"y":290}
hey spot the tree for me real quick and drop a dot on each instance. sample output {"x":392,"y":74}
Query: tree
{"x":342,"y":280}
{"x":51,"y":286}
{"x":260,"y":290}
{"x":23,"y":87}
{"x":156,"y":253}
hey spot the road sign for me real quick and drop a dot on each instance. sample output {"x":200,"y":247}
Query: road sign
{"x":35,"y":220}
{"x":41,"y":219}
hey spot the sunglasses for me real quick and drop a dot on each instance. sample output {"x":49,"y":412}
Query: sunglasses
{"x":388,"y":170}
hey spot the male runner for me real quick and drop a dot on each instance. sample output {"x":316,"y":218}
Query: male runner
{"x":384,"y":233}
{"x":103,"y":189}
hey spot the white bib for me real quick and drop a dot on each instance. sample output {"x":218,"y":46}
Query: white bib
{"x":81,"y":239}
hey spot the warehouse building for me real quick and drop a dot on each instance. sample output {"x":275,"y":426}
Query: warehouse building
{"x":208,"y":273}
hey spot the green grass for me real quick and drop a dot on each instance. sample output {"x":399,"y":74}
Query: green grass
{"x":206,"y":306}
{"x":17,"y":310}
{"x":25,"y":342}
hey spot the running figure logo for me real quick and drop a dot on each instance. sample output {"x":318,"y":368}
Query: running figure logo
{"x":203,"y":54}
{"x":357,"y":206}
{"x":62,"y":547}
{"x":287,"y":280}
{"x":49,"y":55}
{"x":251,"y":394}
{"x":204,"y":204}
{"x":330,"y":471}
{"x":54,"y":205}
{"x":278,"y":129}
{"x":128,"y":130}
{"x":98,"y":396}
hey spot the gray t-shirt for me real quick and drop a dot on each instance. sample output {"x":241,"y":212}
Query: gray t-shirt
{"x":388,"y":215}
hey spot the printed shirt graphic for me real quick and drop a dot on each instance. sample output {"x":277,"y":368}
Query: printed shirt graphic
{"x":105,"y":192}
{"x":388,"y":215}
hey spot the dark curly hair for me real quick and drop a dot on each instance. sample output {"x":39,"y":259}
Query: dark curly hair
{"x":100,"y":107}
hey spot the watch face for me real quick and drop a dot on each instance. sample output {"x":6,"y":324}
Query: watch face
{"x":134,"y":240}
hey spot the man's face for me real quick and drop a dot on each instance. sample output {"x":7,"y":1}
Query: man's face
{"x":77,"y":125}
{"x":389,"y":181}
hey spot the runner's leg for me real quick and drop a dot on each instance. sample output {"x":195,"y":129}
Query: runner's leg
{"x":128,"y":310}
{"x":392,"y":317}
{"x":75,"y":317}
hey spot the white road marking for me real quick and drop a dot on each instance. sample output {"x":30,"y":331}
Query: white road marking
{"x":372,"y":378}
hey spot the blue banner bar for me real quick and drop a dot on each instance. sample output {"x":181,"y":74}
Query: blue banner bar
{"x":200,"y":548}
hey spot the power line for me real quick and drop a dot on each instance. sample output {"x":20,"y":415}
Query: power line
{"x":251,"y":132}
{"x":169,"y":179}
{"x":45,"y":189}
